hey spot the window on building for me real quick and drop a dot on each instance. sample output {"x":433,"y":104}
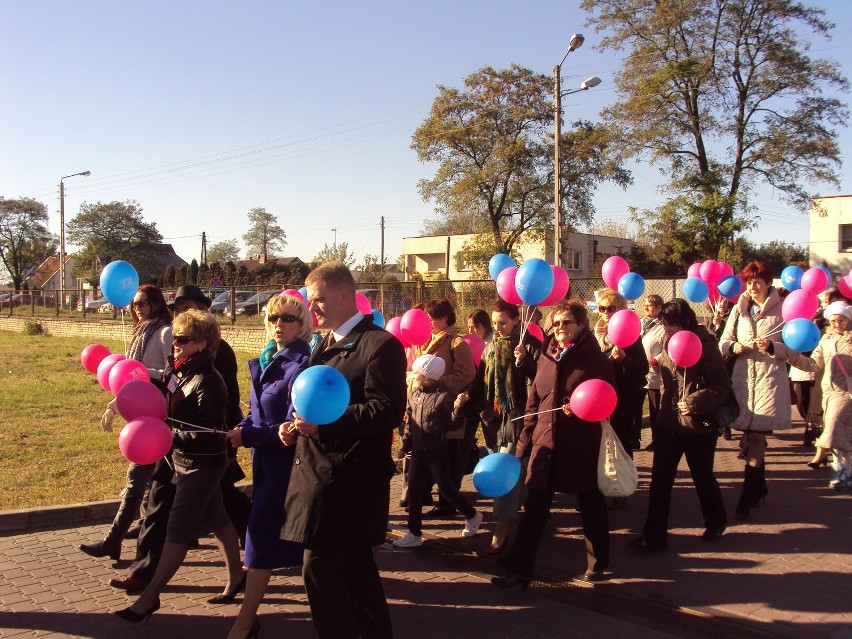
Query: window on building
{"x":845,"y":237}
{"x":573,"y":260}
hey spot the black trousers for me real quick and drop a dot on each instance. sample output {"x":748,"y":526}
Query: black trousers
{"x":345,"y":591}
{"x":593,"y":511}
{"x":152,"y":534}
{"x":700,"y":452}
{"x":427,"y":466}
{"x":653,"y":409}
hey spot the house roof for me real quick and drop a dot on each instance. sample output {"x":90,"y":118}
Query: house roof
{"x":45,"y":271}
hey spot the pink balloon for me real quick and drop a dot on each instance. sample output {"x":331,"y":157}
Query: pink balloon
{"x":145,"y":440}
{"x":815,"y":280}
{"x":416,"y":326}
{"x":138,"y":398}
{"x":477,"y":346}
{"x":799,"y":304}
{"x":844,"y":287}
{"x":727,"y":269}
{"x":363,"y":303}
{"x":506,"y":285}
{"x":694,"y":270}
{"x":125,"y":371}
{"x":392,"y":326}
{"x":593,"y":400}
{"x":92,"y":355}
{"x":561,"y":284}
{"x":535,"y":331}
{"x":685,"y":348}
{"x":713,"y":295}
{"x":624,"y":328}
{"x":613,"y":269}
{"x":292,"y":292}
{"x":711,"y":271}
{"x":105,"y":367}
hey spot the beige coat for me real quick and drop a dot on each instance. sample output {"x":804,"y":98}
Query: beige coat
{"x":833,"y":354}
{"x":760,"y":381}
{"x":460,"y":369}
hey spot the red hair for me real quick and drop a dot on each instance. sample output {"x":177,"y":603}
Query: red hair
{"x":757,"y":270}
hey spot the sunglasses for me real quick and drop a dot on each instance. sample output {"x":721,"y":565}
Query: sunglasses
{"x":606,"y":309}
{"x":558,"y":323}
{"x":287,"y":319}
{"x":142,"y":303}
{"x":182,"y":340}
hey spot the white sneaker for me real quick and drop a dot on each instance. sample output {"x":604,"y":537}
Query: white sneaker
{"x":409,"y":541}
{"x":471,"y":526}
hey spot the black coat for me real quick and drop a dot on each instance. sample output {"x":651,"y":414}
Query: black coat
{"x":563,"y":450}
{"x":430,"y":416}
{"x":340,"y":483}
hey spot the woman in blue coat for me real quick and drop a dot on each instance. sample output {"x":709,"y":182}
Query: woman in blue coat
{"x":289,"y":327}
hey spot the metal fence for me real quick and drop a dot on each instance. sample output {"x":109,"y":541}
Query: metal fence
{"x":391,"y":298}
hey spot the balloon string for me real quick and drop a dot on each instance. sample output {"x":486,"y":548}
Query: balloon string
{"x":683,"y":394}
{"x":773,"y":332}
{"x":196,"y":426}
{"x":549,"y":410}
{"x":124,"y":333}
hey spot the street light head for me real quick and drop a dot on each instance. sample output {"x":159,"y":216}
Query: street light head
{"x":590,"y":82}
{"x":576,"y":41}
{"x":86,"y":173}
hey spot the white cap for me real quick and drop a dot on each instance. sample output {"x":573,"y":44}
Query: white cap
{"x":837,"y":308}
{"x":429,"y":366}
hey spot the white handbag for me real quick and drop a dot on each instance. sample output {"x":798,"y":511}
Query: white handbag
{"x":617,"y":474}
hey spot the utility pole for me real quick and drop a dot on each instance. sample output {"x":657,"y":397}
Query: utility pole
{"x":203,"y":247}
{"x":382,"y":250}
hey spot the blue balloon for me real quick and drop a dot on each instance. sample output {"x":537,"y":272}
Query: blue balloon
{"x":304,"y":292}
{"x":695,"y":290}
{"x":534,"y":281}
{"x":378,"y":318}
{"x":791,"y":277}
{"x":730,"y":286}
{"x":499,"y":262}
{"x":320,"y":394}
{"x":119,"y":283}
{"x":631,"y":286}
{"x":800,"y":334}
{"x":496,"y":474}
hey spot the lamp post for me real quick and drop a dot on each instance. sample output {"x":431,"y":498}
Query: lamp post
{"x":575,"y":43}
{"x":62,"y":233}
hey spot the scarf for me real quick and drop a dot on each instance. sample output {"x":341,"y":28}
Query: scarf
{"x":499,"y":371}
{"x":142,"y":332}
{"x":268,"y":354}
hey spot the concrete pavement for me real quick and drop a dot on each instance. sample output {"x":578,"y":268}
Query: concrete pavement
{"x":786,"y":572}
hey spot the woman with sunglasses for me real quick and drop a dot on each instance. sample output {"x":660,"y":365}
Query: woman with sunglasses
{"x":151,"y":344}
{"x":561,"y":448}
{"x":289,"y":329}
{"x":196,"y":397}
{"x":630,"y":365}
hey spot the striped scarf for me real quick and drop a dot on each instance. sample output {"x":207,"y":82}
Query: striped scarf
{"x":142,"y":332}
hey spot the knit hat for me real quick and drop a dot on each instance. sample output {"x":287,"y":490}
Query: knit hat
{"x":837,"y":308}
{"x":429,"y":366}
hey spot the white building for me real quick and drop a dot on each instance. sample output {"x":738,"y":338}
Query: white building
{"x":830,"y":230}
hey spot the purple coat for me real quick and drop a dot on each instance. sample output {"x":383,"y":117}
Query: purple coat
{"x":563,"y":450}
{"x":271,"y":460}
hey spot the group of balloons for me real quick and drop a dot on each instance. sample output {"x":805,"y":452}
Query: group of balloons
{"x":495,"y":475}
{"x":711,"y":281}
{"x":617,"y":275}
{"x":145,"y":437}
{"x":535,"y":282}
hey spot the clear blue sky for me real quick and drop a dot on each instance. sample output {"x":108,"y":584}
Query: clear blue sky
{"x":202,"y":110}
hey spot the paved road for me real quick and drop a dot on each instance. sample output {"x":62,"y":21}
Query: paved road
{"x":786,"y":572}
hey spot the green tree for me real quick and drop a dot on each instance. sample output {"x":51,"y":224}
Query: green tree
{"x":723,"y":95}
{"x":169,"y":276}
{"x":25,"y":241}
{"x":225,"y":251}
{"x":336,"y":252}
{"x":181,"y":274}
{"x":264,"y":236}
{"x":192,"y":274}
{"x":113,"y":231}
{"x":492,"y":143}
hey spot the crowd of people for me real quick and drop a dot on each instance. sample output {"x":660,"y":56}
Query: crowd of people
{"x":321,"y":494}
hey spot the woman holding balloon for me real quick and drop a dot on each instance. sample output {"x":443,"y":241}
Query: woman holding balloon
{"x":694,"y":382}
{"x":289,"y":328}
{"x":561,"y":446}
{"x":196,"y":398}
{"x":151,"y":344}
{"x":760,"y":383}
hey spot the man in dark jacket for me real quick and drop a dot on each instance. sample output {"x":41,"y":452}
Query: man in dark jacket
{"x":339,"y":493}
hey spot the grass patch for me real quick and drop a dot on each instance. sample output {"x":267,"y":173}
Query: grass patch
{"x":52,"y":448}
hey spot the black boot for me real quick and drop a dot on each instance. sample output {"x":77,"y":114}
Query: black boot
{"x":748,"y":493}
{"x":128,"y":510}
{"x":760,"y":488}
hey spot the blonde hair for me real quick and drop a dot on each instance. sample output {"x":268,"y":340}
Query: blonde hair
{"x":610,"y":297}
{"x":289,"y":305}
{"x":200,"y":325}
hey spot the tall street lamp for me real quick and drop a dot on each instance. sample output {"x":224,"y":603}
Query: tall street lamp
{"x":575,"y":43}
{"x":62,"y":233}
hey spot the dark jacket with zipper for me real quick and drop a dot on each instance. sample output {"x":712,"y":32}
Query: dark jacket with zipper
{"x":196,"y":394}
{"x":430,"y":415}
{"x":706,"y":385}
{"x":339,"y":488}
